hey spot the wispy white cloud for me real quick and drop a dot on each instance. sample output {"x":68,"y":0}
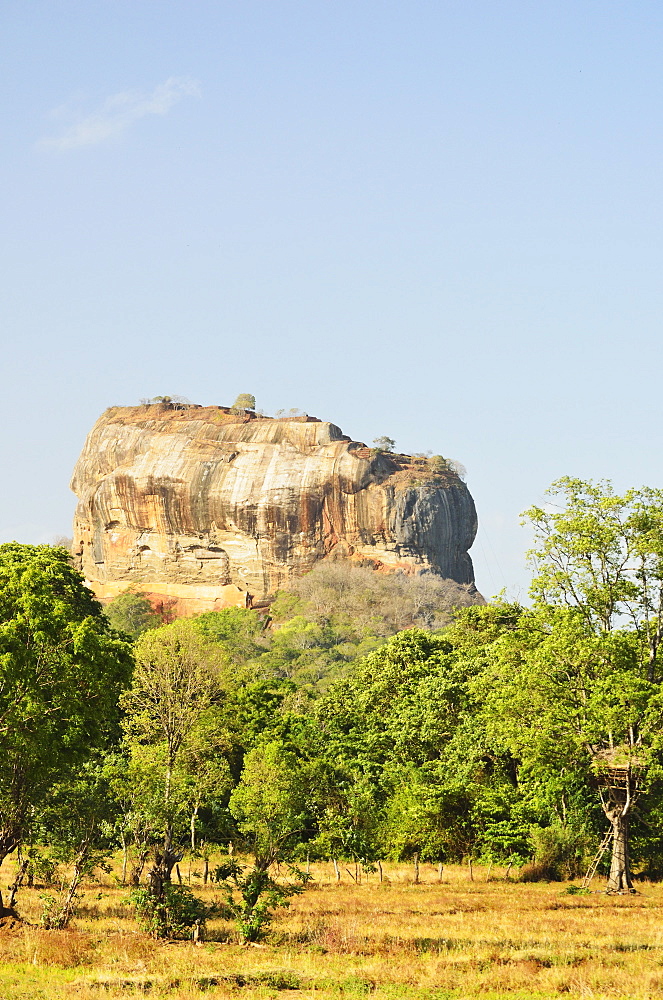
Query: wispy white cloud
{"x":119,"y":112}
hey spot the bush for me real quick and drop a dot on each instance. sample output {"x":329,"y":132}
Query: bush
{"x":252,"y":895}
{"x":380,"y":604}
{"x":173,"y":917}
{"x":438,"y":464}
{"x":533,"y":872}
{"x":560,"y":853}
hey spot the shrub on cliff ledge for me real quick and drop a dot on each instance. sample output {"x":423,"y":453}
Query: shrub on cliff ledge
{"x":384,"y":443}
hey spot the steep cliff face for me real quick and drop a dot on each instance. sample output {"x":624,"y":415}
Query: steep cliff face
{"x":203,"y":506}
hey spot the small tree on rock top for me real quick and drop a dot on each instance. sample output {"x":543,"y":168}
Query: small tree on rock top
{"x":245,"y":401}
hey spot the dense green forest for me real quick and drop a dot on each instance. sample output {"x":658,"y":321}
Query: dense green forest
{"x":359,"y":722}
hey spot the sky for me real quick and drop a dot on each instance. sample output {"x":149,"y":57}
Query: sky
{"x":435,"y":220}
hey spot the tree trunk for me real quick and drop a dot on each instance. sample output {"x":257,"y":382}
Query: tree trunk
{"x":165,"y":859}
{"x":137,"y":868}
{"x":416,"y":868}
{"x":7,"y":845}
{"x":617,"y":801}
{"x":337,"y":872}
{"x":168,"y":857}
{"x":619,"y":879}
{"x":17,"y":883}
{"x":62,"y":919}
{"x":125,"y":859}
{"x":194,"y":817}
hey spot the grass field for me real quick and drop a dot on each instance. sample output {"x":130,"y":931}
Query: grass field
{"x":455,"y":939}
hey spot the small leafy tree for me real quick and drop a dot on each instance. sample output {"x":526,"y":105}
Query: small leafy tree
{"x":252,"y":895}
{"x":269,"y":803}
{"x":236,"y":631}
{"x":245,"y":401}
{"x":132,"y":613}
{"x":415,"y":823}
{"x":176,"y":684}
{"x":173,"y":915}
{"x":77,"y":824}
{"x":384,"y":444}
{"x":269,"y":808}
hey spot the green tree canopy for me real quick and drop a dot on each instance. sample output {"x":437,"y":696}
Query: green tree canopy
{"x":62,"y":669}
{"x":177,"y":691}
{"x":384,"y":443}
{"x":132,"y":613}
{"x":575,"y":689}
{"x":245,"y":401}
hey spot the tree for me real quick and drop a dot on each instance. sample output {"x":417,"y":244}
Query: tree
{"x":132,"y":612}
{"x":347,"y":813}
{"x":384,"y":443}
{"x":438,"y":464}
{"x":561,"y":699}
{"x":77,"y":824}
{"x":237,"y":631}
{"x":400,"y":705}
{"x":177,"y":682}
{"x":390,"y":725}
{"x":457,"y":467}
{"x":62,"y":669}
{"x":270,"y":808}
{"x":245,"y":401}
{"x":578,"y":684}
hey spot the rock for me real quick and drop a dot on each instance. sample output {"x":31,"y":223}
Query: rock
{"x":202,"y":507}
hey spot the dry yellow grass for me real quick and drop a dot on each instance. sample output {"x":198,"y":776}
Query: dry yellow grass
{"x":459,"y":939}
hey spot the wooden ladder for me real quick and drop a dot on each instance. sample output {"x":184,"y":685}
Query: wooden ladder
{"x":591,"y":871}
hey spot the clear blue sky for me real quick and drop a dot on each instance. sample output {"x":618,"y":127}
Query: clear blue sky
{"x":439,"y":221}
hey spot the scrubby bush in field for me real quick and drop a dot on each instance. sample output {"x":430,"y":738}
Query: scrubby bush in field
{"x":560,"y":853}
{"x":252,"y":896}
{"x":173,"y":915}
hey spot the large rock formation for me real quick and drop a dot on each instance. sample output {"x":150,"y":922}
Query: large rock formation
{"x":204,"y":507}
